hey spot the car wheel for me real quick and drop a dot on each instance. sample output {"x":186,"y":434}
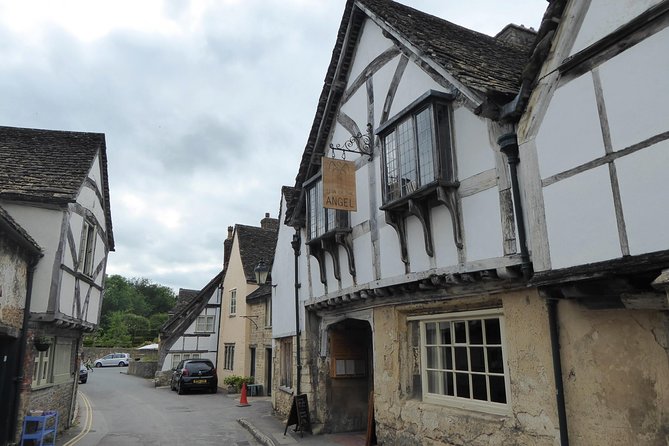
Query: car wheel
{"x":214,"y":389}
{"x":82,"y":381}
{"x":180,"y":389}
{"x":98,"y":365}
{"x":121,"y":364}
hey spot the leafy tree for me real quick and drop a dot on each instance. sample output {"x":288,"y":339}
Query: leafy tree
{"x":116,"y":334}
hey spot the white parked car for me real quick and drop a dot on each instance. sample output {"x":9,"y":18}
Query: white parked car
{"x":113,"y":359}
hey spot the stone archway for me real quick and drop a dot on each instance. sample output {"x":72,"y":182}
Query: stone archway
{"x":350,"y":375}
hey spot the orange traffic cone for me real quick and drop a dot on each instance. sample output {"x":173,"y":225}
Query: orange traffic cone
{"x":242,"y":401}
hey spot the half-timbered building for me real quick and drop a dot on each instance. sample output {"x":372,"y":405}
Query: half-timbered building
{"x":54,"y":185}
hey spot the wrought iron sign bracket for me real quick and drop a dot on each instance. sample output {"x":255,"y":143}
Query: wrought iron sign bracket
{"x":361,"y":144}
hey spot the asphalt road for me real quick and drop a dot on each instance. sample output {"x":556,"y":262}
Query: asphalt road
{"x":128,"y":410}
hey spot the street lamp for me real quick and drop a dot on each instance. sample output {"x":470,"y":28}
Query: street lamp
{"x":261,"y":271}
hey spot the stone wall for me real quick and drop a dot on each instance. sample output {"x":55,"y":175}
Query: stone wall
{"x":13,"y":283}
{"x":56,"y":397}
{"x":403,"y":418}
{"x":260,"y":337}
{"x":144,"y":369}
{"x":616,"y":375}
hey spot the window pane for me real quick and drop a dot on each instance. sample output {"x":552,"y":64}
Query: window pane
{"x":445,"y":331}
{"x":479,"y":387}
{"x":477,"y":358}
{"x":425,"y":146}
{"x":495,"y":362}
{"x":461,"y":358}
{"x":460,"y":333}
{"x":497,"y":390}
{"x":432,"y":358}
{"x":433,"y":381}
{"x":430,"y":333}
{"x":492,"y":334}
{"x":340,"y":365}
{"x":392,"y":167}
{"x":406,"y":146}
{"x":448,"y":384}
{"x":447,"y":357}
{"x":475,"y":332}
{"x":462,"y":384}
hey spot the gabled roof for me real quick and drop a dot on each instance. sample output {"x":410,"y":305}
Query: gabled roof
{"x":492,"y":67}
{"x":50,"y":166}
{"x":260,"y":293}
{"x":255,"y":244}
{"x":184,"y":297}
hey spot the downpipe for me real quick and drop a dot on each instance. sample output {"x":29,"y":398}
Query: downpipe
{"x":295,"y":243}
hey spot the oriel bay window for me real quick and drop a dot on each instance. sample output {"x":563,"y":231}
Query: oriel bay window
{"x":327,"y":230}
{"x":418,"y":166}
{"x":463,"y":361}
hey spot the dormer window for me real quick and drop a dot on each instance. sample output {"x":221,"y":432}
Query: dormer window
{"x":417,"y":151}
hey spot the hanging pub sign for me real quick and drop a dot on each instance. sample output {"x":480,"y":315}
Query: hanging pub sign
{"x":338,"y":184}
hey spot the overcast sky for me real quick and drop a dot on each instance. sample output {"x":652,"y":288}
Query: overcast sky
{"x":206,"y":106}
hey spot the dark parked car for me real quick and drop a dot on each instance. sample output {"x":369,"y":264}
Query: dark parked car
{"x":83,"y":374}
{"x":193,"y":374}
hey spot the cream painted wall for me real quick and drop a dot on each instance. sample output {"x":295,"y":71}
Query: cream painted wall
{"x":235,"y":328}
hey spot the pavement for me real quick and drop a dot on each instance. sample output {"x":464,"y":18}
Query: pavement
{"x":268,"y":429}
{"x":257,"y":418}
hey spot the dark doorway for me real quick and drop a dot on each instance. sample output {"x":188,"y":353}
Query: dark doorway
{"x":268,"y":371}
{"x":350,"y":377}
{"x":8,"y":354}
{"x":253,"y":362}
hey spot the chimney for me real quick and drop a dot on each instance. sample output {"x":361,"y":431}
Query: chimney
{"x":227,"y":247}
{"x":269,"y":223}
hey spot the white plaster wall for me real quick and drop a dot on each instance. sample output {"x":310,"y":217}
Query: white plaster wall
{"x":570,"y":132}
{"x":87,"y":197}
{"x":414,"y":83}
{"x":580,"y":219}
{"x":362,"y":252}
{"x":605,"y":16}
{"x":418,"y":258}
{"x":382,"y":79}
{"x":314,"y":278}
{"x":481,"y":222}
{"x":44,"y":226}
{"x":67,"y":294}
{"x":346,"y":278}
{"x":390,"y":257}
{"x":356,"y":109}
{"x":190,"y":343}
{"x":93,"y":310}
{"x":283,"y":279}
{"x":636,"y":91}
{"x":362,"y":196}
{"x":644,"y":183}
{"x":371,"y":44}
{"x":446,"y":253}
{"x":472,"y":143}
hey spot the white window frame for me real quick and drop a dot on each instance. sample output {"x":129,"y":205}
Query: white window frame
{"x":87,"y":251}
{"x":459,"y":401}
{"x":233,"y":302}
{"x":42,"y":366}
{"x":205,"y":323}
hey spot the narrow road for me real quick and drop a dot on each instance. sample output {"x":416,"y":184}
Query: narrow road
{"x":128,"y":410}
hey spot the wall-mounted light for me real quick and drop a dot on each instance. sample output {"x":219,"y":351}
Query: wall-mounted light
{"x":261,"y":271}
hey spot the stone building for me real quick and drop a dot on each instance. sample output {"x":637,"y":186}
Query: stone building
{"x":19,"y":255}
{"x":54,"y":185}
{"x":473,"y":293}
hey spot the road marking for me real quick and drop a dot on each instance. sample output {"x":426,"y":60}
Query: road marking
{"x":87,"y":424}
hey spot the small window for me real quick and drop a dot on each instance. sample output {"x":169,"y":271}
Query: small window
{"x":229,"y":357}
{"x":87,"y":250}
{"x":204,"y":324}
{"x":463,"y":361}
{"x":322,"y":220}
{"x":286,"y":362}
{"x":417,"y":149}
{"x":349,"y":357}
{"x":233,"y":302}
{"x":176,"y":359}
{"x":268,"y":312}
{"x":42,"y":368}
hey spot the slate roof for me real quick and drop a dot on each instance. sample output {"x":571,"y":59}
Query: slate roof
{"x":259,"y":293}
{"x":50,"y":166}
{"x":255,"y":244}
{"x":184,"y":297}
{"x":490,"y":66}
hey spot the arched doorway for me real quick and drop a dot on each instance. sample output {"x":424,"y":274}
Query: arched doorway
{"x":350,"y":375}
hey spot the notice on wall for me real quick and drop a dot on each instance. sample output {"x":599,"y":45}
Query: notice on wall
{"x":338,"y":184}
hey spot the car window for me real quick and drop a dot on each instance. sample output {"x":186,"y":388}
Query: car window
{"x":108,"y":357}
{"x":199,"y":366}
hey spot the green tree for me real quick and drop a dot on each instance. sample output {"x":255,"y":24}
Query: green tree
{"x":116,"y":334}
